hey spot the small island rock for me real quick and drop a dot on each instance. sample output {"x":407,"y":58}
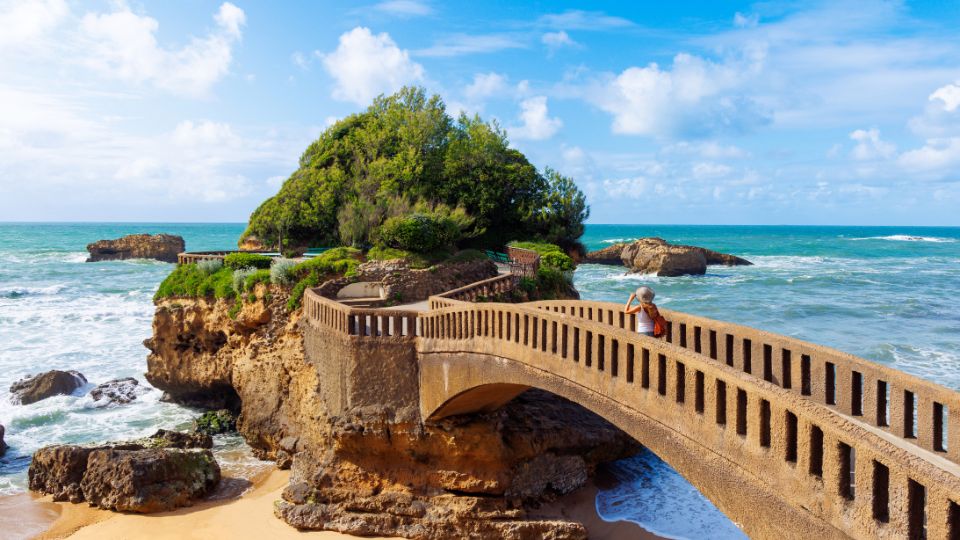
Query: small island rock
{"x":657,"y":256}
{"x":118,"y":391}
{"x":162,"y":247}
{"x":52,"y":383}
{"x":160,"y":473}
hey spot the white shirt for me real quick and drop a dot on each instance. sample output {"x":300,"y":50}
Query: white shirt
{"x":644,"y":322}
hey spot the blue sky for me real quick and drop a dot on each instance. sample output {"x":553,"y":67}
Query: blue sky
{"x":692,"y":112}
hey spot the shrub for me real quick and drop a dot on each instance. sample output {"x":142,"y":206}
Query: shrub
{"x":281,"y":271}
{"x":238,"y":261}
{"x":341,"y":260}
{"x":240,"y":278}
{"x":418,"y":232}
{"x":467,"y":255}
{"x":209,"y":266}
{"x":296,"y":295}
{"x":260,"y":276}
{"x":382,"y":253}
{"x":189,"y":280}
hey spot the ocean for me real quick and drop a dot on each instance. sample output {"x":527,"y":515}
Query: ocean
{"x":888,"y":294}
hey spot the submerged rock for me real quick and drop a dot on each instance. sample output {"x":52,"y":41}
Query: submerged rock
{"x":3,"y":445}
{"x":117,"y":391}
{"x":156,"y":474}
{"x":657,"y":256}
{"x":162,"y":247}
{"x":215,"y":422}
{"x":52,"y":383}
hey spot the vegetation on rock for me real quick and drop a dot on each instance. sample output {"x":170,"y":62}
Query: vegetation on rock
{"x":367,"y":179}
{"x":215,"y":422}
{"x":238,"y":261}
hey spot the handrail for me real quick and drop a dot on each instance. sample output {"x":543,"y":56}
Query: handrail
{"x":915,"y":410}
{"x":322,"y":312}
{"x":841,"y":469}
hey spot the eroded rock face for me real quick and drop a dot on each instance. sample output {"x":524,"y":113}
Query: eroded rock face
{"x":163,"y":472}
{"x":376,"y":470}
{"x":148,"y":480}
{"x":49,"y":384}
{"x":117,"y":392}
{"x":3,"y":445}
{"x":162,"y":247}
{"x":657,"y":256}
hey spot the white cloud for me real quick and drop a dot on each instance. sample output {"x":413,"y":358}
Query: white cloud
{"x":938,"y":156}
{"x":706,"y":149}
{"x":695,"y":96}
{"x":949,"y":95}
{"x":625,"y":188}
{"x":23,"y":22}
{"x":557,"y":40}
{"x":869,"y":145}
{"x":408,"y":8}
{"x":485,"y":85}
{"x":536,"y":121}
{"x":461,"y":44}
{"x":300,"y":60}
{"x":583,"y":20}
{"x":708,"y":170}
{"x":204,"y":133}
{"x":124,"y":45}
{"x":365,"y":65}
{"x":746,"y":21}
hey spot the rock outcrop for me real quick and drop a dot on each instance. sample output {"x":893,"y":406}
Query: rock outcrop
{"x":215,"y":422}
{"x":3,"y":445}
{"x":657,"y":256}
{"x":377,"y":470}
{"x":160,"y":473}
{"x":117,"y":392}
{"x":49,"y":384}
{"x":162,"y":247}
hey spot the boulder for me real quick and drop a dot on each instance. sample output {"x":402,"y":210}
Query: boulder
{"x":148,"y":480}
{"x":162,"y":247}
{"x":52,"y":383}
{"x":117,"y":391}
{"x":156,"y":474}
{"x":3,"y":445}
{"x":657,"y":256}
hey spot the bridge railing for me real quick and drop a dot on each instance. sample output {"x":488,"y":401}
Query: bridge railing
{"x":323,"y":312}
{"x":189,"y":257}
{"x":849,"y":474}
{"x":913,"y":409}
{"x":479,"y":290}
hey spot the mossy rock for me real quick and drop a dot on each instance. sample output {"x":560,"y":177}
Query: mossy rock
{"x":215,"y":422}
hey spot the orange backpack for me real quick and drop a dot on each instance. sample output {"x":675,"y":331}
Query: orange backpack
{"x":659,"y":322}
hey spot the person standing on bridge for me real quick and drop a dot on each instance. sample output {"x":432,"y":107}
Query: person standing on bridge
{"x":649,"y":320}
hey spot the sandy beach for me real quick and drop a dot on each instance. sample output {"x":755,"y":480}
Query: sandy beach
{"x":248,"y":516}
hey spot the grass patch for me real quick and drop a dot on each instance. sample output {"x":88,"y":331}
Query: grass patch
{"x":237,"y":261}
{"x":341,"y":260}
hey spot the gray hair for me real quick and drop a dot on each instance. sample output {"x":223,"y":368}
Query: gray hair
{"x":645,"y":294}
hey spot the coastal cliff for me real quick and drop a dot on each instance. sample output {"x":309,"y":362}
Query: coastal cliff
{"x":375,"y":470}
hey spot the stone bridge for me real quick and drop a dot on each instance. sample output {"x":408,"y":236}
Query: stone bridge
{"x":787,"y":438}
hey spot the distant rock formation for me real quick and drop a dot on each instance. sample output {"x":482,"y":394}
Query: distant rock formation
{"x":163,"y":472}
{"x":117,"y":391}
{"x":657,"y":256}
{"x":52,"y":383}
{"x":162,"y":247}
{"x":3,"y":445}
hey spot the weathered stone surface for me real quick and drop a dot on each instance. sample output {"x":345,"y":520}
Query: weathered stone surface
{"x":162,"y":472}
{"x":52,"y":383}
{"x":117,"y":392}
{"x":378,"y":469}
{"x":251,"y":243}
{"x":3,"y":445}
{"x":657,"y":256}
{"x":148,"y":480}
{"x":401,"y":284}
{"x":162,"y":247}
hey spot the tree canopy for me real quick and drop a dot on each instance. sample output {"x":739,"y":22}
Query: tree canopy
{"x":403,"y":154}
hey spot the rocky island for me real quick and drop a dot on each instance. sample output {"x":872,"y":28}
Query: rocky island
{"x":162,"y":247}
{"x":657,"y":256}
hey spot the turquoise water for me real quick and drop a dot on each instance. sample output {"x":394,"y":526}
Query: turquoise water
{"x":887,"y":294}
